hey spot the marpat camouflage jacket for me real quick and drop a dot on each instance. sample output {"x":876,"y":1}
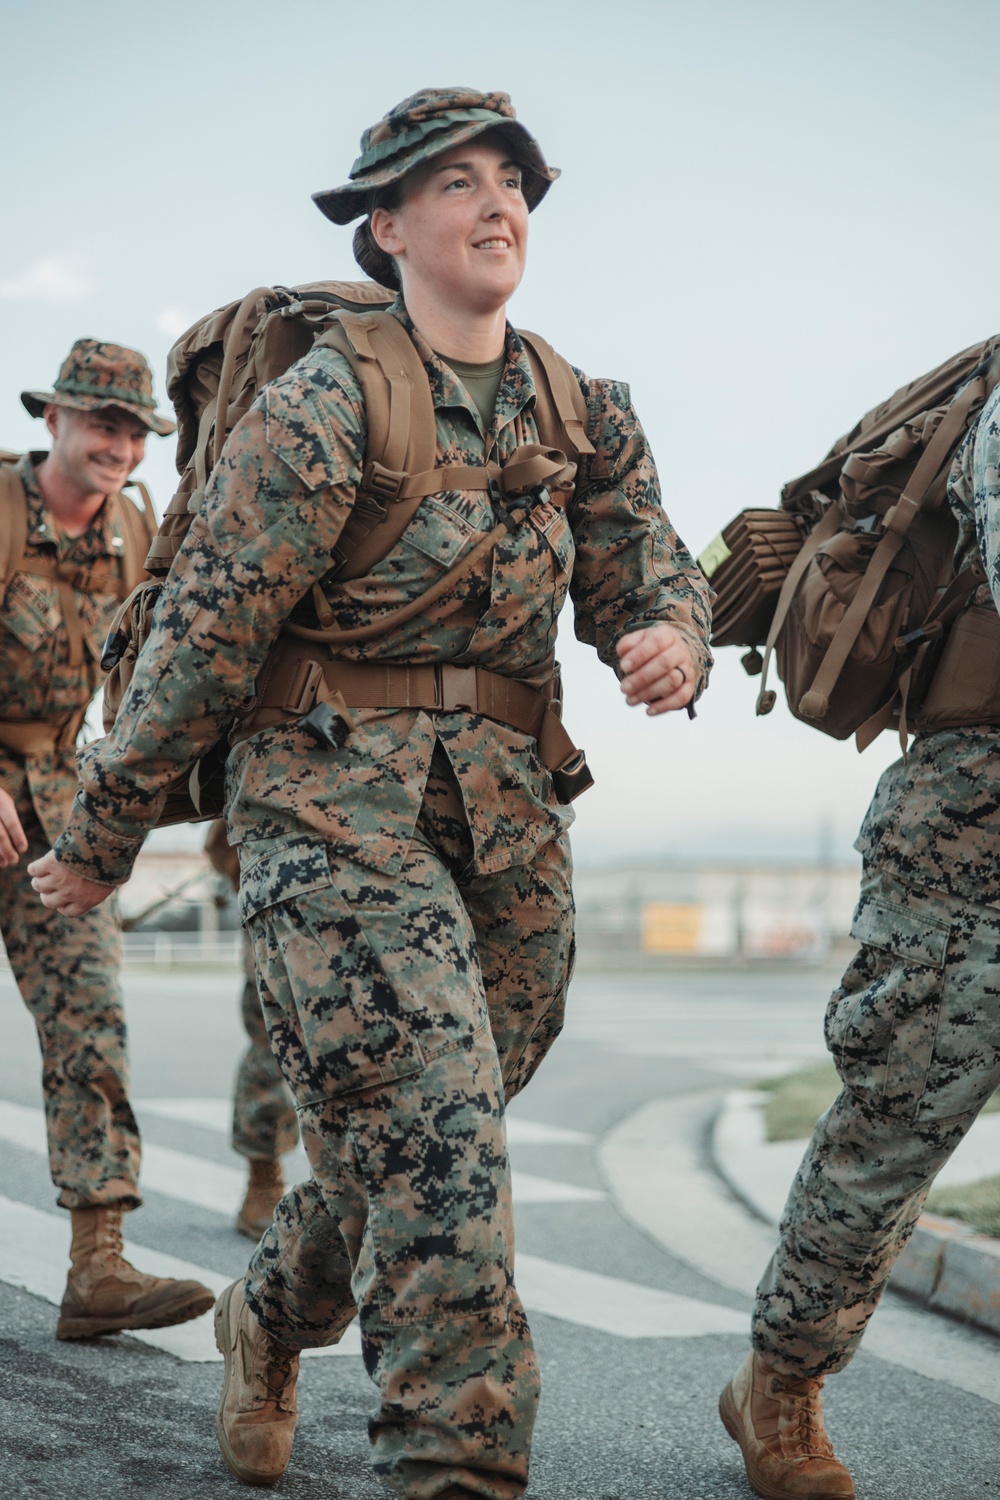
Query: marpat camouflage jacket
{"x":36,"y":678}
{"x":273,"y":512}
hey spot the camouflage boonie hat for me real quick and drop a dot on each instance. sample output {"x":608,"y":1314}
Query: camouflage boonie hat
{"x":425,"y":125}
{"x":95,"y":375}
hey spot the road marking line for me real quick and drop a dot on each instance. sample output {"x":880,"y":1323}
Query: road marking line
{"x":623,"y":1308}
{"x":217,"y":1115}
{"x":220,"y":1189}
{"x":34,"y":1256}
{"x":662,"y":1144}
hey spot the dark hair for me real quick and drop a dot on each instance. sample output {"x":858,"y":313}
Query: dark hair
{"x":367,"y":252}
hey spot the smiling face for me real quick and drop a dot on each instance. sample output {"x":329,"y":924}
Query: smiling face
{"x":94,"y":452}
{"x":461,"y":233}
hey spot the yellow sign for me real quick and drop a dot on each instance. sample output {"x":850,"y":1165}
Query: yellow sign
{"x":713,"y":556}
{"x":671,"y":927}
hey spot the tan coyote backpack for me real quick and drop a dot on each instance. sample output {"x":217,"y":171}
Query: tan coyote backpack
{"x":214,"y":373}
{"x":851,"y":585}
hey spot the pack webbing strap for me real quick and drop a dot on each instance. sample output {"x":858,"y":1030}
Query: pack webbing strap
{"x":444,"y":585}
{"x":826,"y":527}
{"x":297,"y":677}
{"x":14,"y":531}
{"x":32,"y":737}
{"x":528,"y":467}
{"x":567,"y":398}
{"x":404,"y":612}
{"x":402,"y":434}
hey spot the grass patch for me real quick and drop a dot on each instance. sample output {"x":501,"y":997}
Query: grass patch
{"x":796,"y":1101}
{"x":975,"y":1203}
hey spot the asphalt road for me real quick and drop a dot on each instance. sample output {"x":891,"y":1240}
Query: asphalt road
{"x":637,"y":1327}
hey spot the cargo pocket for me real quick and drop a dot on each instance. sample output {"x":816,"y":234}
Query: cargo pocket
{"x":882,"y":1023}
{"x":337,"y":1024}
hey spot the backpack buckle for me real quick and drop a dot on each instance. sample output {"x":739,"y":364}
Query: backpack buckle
{"x":113,"y":650}
{"x":456,"y":689}
{"x":382,"y":482}
{"x":323,"y":724}
{"x":572,"y":778}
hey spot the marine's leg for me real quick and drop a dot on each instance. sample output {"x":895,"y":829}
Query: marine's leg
{"x":67,"y":972}
{"x":373,"y":993}
{"x":265,"y":1126}
{"x":523,"y":920}
{"x":915,"y":1030}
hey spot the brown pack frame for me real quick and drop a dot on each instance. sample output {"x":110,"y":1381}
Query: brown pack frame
{"x":218,"y":367}
{"x":39,"y":736}
{"x":851,"y":585}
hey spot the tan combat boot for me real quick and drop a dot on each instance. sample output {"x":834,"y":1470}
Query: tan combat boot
{"x":265,"y":1191}
{"x":778,"y":1423}
{"x":104,"y":1294}
{"x":255,"y":1423}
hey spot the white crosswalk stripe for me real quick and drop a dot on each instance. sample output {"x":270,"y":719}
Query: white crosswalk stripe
{"x":33,"y":1247}
{"x":218,"y":1187}
{"x":217,"y":1114}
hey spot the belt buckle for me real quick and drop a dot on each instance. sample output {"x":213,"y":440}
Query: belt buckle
{"x":457,"y":689}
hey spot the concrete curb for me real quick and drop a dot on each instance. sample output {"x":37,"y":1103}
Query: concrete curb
{"x":946,"y":1265}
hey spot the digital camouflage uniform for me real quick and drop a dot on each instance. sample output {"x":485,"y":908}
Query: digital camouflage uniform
{"x":66,"y":969}
{"x":265,"y":1126}
{"x":408,"y":896}
{"x":264,"y":1121}
{"x":914,"y":1026}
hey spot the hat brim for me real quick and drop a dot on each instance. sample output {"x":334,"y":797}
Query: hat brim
{"x":349,"y":202}
{"x":35,"y":402}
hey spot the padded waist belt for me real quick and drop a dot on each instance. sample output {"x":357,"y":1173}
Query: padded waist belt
{"x":31,"y":737}
{"x":298,"y":675}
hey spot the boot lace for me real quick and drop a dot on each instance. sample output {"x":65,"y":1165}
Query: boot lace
{"x":802,"y":1414}
{"x":274,"y":1369}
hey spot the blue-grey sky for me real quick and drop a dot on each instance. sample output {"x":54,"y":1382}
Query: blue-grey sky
{"x":770,"y":215}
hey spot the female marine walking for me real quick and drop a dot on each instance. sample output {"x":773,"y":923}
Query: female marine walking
{"x":405,"y":866}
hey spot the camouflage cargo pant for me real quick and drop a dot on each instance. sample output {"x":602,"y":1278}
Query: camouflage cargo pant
{"x":914,"y":1028}
{"x":264,"y":1121}
{"x":67,"y":972}
{"x":403,"y":1009}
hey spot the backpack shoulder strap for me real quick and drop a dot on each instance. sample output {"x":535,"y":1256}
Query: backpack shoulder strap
{"x":14,"y":531}
{"x":402,"y":434}
{"x":137,"y":529}
{"x":402,"y":431}
{"x":560,"y":410}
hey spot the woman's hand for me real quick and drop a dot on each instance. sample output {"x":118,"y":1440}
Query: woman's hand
{"x":63,"y":890}
{"x":13,"y":842}
{"x":657,"y":668}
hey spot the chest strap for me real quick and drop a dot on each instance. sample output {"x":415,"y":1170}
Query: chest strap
{"x":34,"y":737}
{"x":298,"y":675}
